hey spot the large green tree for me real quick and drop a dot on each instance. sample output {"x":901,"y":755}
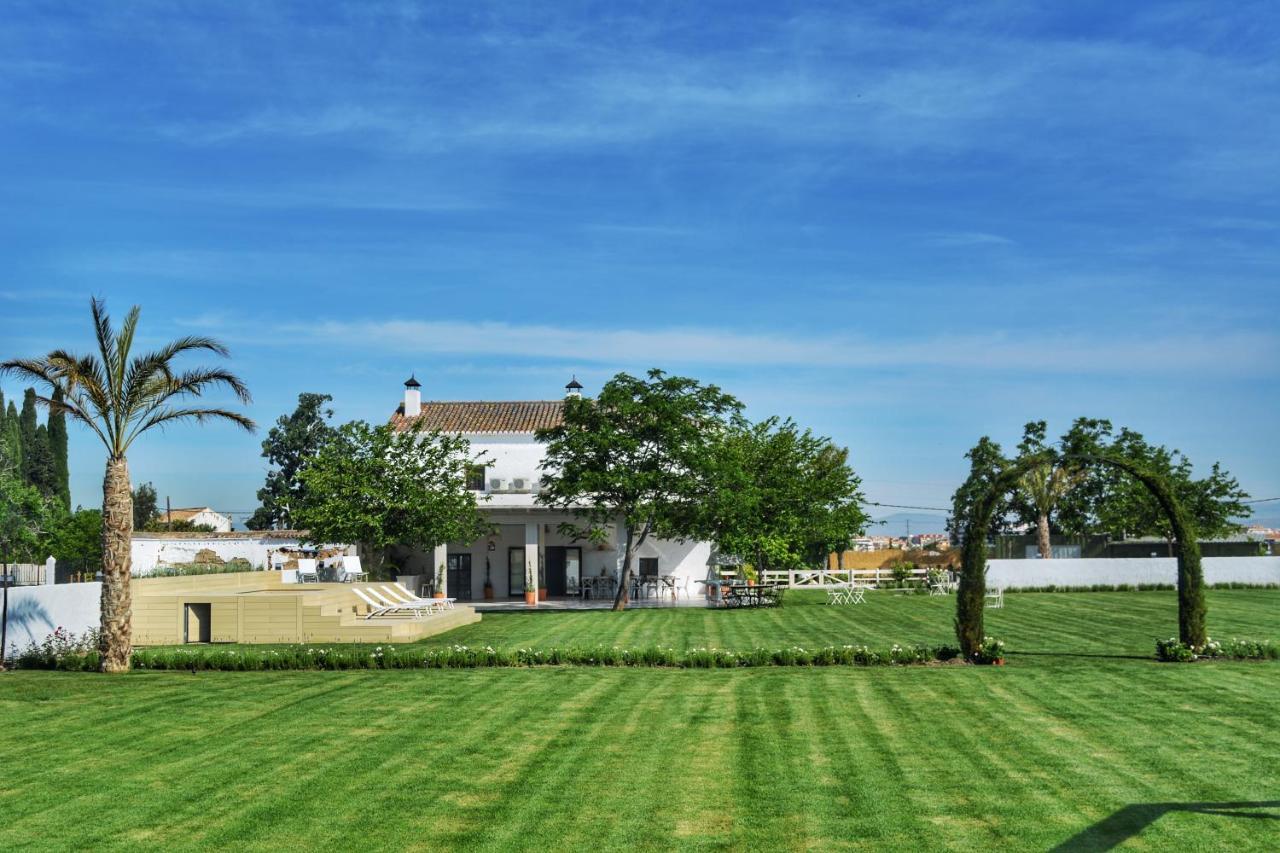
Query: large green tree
{"x":290,"y":444}
{"x":75,"y":538}
{"x":779,"y":496}
{"x":638,"y":455}
{"x":378,"y":487}
{"x":119,"y":396}
{"x":146,"y":506}
{"x":25,"y":518}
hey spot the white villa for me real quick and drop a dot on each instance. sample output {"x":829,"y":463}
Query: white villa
{"x":528,"y":534}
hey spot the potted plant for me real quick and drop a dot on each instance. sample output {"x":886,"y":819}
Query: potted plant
{"x":488,"y":584}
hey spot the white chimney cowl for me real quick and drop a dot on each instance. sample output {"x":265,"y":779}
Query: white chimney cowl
{"x":412,"y":398}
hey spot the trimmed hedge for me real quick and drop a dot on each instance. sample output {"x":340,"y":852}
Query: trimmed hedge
{"x":1173,"y":650}
{"x":464,"y":657}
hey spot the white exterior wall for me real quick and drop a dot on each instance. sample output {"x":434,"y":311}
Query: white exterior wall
{"x":1024,"y":573}
{"x":36,"y":611}
{"x":150,"y":551}
{"x":508,"y":457}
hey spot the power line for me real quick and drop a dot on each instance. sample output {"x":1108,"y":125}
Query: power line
{"x":905,"y":506}
{"x":1260,"y":501}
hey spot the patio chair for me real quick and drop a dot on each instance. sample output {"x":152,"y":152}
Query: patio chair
{"x":307,"y":572}
{"x":350,"y":570}
{"x":837,"y":595}
{"x":995,"y":599}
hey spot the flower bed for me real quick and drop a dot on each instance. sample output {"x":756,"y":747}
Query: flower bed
{"x":73,"y":655}
{"x":1173,"y":650}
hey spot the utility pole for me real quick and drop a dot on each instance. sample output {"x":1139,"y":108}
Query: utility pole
{"x":168,"y":514}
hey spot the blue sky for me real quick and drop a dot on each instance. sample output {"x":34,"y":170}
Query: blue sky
{"x":904,"y":225}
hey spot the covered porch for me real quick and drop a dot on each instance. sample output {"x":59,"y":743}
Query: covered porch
{"x":490,"y":573}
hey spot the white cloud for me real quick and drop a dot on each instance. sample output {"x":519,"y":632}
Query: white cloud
{"x":1230,"y":353}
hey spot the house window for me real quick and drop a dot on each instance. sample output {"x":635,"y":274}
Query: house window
{"x":475,"y":478}
{"x":649,"y":566}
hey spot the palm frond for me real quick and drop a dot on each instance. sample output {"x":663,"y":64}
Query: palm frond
{"x":165,"y":416}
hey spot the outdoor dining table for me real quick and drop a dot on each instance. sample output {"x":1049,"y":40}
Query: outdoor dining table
{"x":597,"y":587}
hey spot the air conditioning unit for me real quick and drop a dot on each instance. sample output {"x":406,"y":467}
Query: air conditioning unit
{"x":497,"y":484}
{"x":518,"y":484}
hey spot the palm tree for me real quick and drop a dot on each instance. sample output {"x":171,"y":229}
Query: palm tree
{"x":119,"y":397}
{"x":1045,"y":486}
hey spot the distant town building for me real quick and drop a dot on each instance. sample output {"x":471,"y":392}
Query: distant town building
{"x":199,"y":515}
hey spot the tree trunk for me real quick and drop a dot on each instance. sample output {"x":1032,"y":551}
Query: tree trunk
{"x":628,"y":557}
{"x":624,"y":581}
{"x":116,"y":644}
{"x":1042,"y":536}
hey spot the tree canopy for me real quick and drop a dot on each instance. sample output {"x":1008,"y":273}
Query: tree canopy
{"x":294,"y":440}
{"x":378,"y":487}
{"x":781,"y":497}
{"x":639,"y":454}
{"x":1102,"y":499}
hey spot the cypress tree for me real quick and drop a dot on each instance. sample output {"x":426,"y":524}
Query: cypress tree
{"x":11,"y":438}
{"x":38,"y":457}
{"x":58,"y":444}
{"x":27,"y":429}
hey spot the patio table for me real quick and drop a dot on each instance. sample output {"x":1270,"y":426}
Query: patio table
{"x":597,"y":587}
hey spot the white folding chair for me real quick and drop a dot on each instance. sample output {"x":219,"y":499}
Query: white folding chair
{"x":838,"y":595}
{"x":350,"y":571}
{"x":307,"y":572}
{"x":857,"y":594}
{"x":995,"y":599}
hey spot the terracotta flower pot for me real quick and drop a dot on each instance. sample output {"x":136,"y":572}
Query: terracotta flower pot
{"x":530,"y":597}
{"x":437,"y":594}
{"x":542,"y":593}
{"x":488,"y":593}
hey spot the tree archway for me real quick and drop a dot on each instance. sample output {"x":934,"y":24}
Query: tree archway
{"x":971,"y":596}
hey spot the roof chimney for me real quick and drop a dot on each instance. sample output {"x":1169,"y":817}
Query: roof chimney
{"x":574,"y":388}
{"x":412,"y":398}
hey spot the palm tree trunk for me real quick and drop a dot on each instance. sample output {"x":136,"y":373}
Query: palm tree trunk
{"x":116,"y":644}
{"x":1042,"y":536}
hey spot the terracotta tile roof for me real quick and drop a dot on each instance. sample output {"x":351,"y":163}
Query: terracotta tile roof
{"x":471,"y":417}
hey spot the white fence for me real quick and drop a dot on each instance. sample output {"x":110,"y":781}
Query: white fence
{"x":1065,"y":572}
{"x":822,"y":578}
{"x":1112,"y":572}
{"x":31,"y":574}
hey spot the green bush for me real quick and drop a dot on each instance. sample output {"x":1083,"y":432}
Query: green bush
{"x":207,"y":658}
{"x":1174,"y":651}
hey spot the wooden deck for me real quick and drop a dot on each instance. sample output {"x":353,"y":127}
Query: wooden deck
{"x":255,"y":607}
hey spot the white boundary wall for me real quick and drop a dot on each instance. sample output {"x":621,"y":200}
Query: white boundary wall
{"x":35,"y":611}
{"x":1023,"y":573}
{"x":151,"y":551}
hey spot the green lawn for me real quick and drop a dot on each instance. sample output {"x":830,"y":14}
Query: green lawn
{"x":1082,"y":740}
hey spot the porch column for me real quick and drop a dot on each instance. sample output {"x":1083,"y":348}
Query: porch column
{"x":439,"y":568}
{"x":531,"y":534}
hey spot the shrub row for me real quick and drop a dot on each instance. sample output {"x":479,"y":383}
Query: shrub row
{"x":1173,"y":650}
{"x":466,"y":657}
{"x":1136,"y":587}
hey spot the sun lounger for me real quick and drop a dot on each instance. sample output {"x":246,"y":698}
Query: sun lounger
{"x":307,"y":572}
{"x":350,"y":572}
{"x":378,"y":608}
{"x":395,"y":592}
